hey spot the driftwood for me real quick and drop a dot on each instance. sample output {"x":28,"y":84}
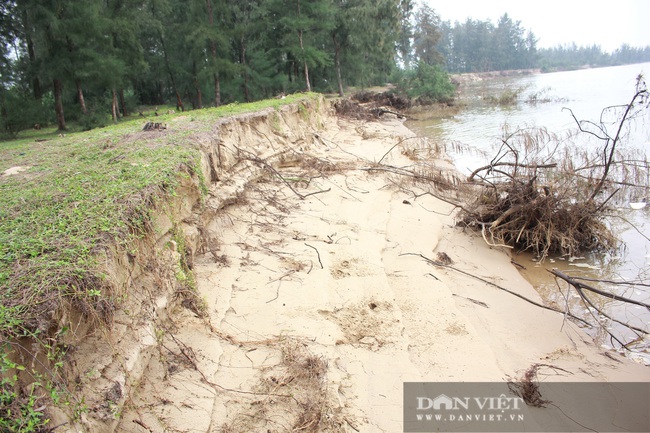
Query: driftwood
{"x":380,"y":111}
{"x":531,"y":204}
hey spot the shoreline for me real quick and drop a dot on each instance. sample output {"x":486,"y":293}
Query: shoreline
{"x":337,"y":276}
{"x":471,"y":77}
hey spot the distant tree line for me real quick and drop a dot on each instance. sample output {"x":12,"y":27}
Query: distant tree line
{"x":475,"y":46}
{"x":480,"y":45}
{"x":567,"y":57}
{"x":89,"y":60}
{"x":86,"y":58}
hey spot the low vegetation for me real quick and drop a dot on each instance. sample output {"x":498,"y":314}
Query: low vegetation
{"x":426,"y":84}
{"x":506,"y":98}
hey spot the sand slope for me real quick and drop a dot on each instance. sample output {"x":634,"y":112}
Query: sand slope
{"x":319,"y":309}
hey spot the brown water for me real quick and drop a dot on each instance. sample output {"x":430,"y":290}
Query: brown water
{"x":476,"y":130}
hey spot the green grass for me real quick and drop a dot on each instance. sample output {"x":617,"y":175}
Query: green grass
{"x":80,"y":191}
{"x":84,"y":192}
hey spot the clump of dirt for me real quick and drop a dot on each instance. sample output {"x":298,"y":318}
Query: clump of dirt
{"x":444,"y":259}
{"x":347,"y":268}
{"x":369,"y":323}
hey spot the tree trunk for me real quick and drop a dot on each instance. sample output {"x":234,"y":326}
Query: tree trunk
{"x":179,"y":100}
{"x":213,"y":52}
{"x":306,"y":69}
{"x":160,"y":99}
{"x":36,"y":84}
{"x":58,"y":103}
{"x":242,"y":44}
{"x":80,"y":96}
{"x":3,"y":113}
{"x":217,"y":90}
{"x":114,"y":105}
{"x":199,"y":96}
{"x":197,"y":86}
{"x":302,"y":49}
{"x":123,"y":103}
{"x":190,"y":98}
{"x":337,"y":61}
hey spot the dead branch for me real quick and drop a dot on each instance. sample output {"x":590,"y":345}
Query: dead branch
{"x":394,"y":146}
{"x":351,"y":425}
{"x":618,"y":283}
{"x":143,"y":425}
{"x":487,"y":242}
{"x":379,"y":111}
{"x":611,"y":142}
{"x":579,"y":285}
{"x":528,"y":387}
{"x":256,"y":159}
{"x":188,"y":353}
{"x":317,"y":254}
{"x":588,"y":303}
{"x":585,"y":299}
{"x":490,"y":167}
{"x":483,"y":280}
{"x":482,"y":304}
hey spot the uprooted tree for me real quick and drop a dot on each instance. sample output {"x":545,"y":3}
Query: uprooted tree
{"x":538,"y":195}
{"x":541,"y":195}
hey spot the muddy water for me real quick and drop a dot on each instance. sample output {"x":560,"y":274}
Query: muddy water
{"x":472,"y":134}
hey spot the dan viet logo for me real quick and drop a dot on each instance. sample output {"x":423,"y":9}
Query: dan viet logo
{"x":445,"y":408}
{"x":491,"y":407}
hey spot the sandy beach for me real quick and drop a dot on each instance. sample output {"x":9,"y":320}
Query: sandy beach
{"x":321,"y":306}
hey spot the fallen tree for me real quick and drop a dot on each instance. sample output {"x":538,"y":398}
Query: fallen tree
{"x":537,"y":195}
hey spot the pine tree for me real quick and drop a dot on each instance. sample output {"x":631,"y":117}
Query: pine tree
{"x":249,"y":19}
{"x":406,"y":32}
{"x":303,"y":26}
{"x":427,"y":36}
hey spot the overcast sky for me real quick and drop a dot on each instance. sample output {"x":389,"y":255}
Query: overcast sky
{"x":608,"y":23}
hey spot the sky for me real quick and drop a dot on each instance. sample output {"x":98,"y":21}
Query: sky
{"x":607,"y":23}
